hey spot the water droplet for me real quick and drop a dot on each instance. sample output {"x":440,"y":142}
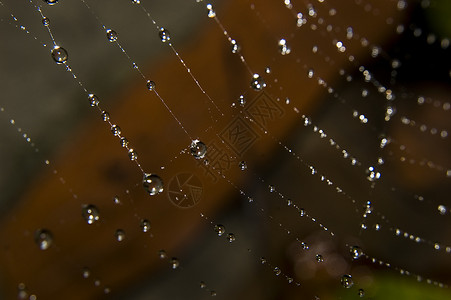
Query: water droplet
{"x":356,"y":252}
{"x":116,"y":130}
{"x":175,"y":263}
{"x":213,"y":293}
{"x":263,"y":260}
{"x":136,"y":1}
{"x":231,"y":237}
{"x":198,"y":149}
{"x":219,"y":229}
{"x":277,"y":271}
{"x":361,"y":293}
{"x":51,"y":2}
{"x":105,"y":116}
{"x":86,"y":273}
{"x":442,"y":209}
{"x":111,"y":35}
{"x":124,"y":142}
{"x":145,"y":225}
{"x":120,"y":235}
{"x":257,"y":83}
{"x":242,"y":165}
{"x":235,"y":46}
{"x":242,"y":100}
{"x":90,"y":213}
{"x":373,"y":175}
{"x":43,"y":238}
{"x":150,"y":85}
{"x":302,"y":212}
{"x":59,"y":55}
{"x":164,"y":35}
{"x":162,"y":254}
{"x":93,"y":100}
{"x":283,"y":47}
{"x":319,"y":258}
{"x":346,"y":281}
{"x":271,"y":188}
{"x":211,"y":12}
{"x":45,"y":21}
{"x":132,"y":154}
{"x":153,"y":184}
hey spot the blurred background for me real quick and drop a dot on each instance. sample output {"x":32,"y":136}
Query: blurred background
{"x":182,"y":256}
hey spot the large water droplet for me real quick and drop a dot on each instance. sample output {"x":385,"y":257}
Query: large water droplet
{"x":219,"y":229}
{"x":346,"y":281}
{"x":111,"y":35}
{"x":43,"y":238}
{"x":153,"y":184}
{"x":257,"y":83}
{"x":132,"y":154}
{"x":90,"y":213}
{"x":145,"y":225}
{"x":120,"y":235}
{"x":198,"y":149}
{"x":51,"y":2}
{"x":116,"y":130}
{"x":164,"y":35}
{"x":59,"y":55}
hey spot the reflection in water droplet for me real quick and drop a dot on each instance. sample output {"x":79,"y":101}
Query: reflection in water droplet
{"x":120,"y":235}
{"x":43,"y":238}
{"x":346,"y":281}
{"x":257,"y":83}
{"x":51,"y":2}
{"x":198,"y":149}
{"x":231,"y":237}
{"x":153,"y":184}
{"x":59,"y":55}
{"x":111,"y":35}
{"x":219,"y":229}
{"x":145,"y":225}
{"x":90,"y":213}
{"x":242,"y":165}
{"x":164,"y":35}
{"x":175,"y":263}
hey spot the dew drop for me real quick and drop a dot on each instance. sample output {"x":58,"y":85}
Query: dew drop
{"x":120,"y":235}
{"x":242,"y":165}
{"x":235,"y":46}
{"x":202,"y":285}
{"x":164,"y":35}
{"x":93,"y":100}
{"x":86,"y":273}
{"x":263,"y":260}
{"x":111,"y":35}
{"x":242,"y":100}
{"x":346,"y":281}
{"x":150,"y":85}
{"x":213,"y":293}
{"x":90,"y":213}
{"x":132,"y":154}
{"x":45,"y":21}
{"x":124,"y":142}
{"x":257,"y":83}
{"x":271,"y":188}
{"x":356,"y":252}
{"x":302,"y":212}
{"x":211,"y":12}
{"x":361,"y":293}
{"x":116,"y":130}
{"x":162,"y":254}
{"x":277,"y":271}
{"x":43,"y":238}
{"x":105,"y":116}
{"x":153,"y":184}
{"x":59,"y":55}
{"x":284,"y":49}
{"x":145,"y":225}
{"x":319,"y":258}
{"x":219,"y":229}
{"x":175,"y":263}
{"x":198,"y":149}
{"x":231,"y":237}
{"x":442,"y":209}
{"x":136,"y":1}
{"x":51,"y":2}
